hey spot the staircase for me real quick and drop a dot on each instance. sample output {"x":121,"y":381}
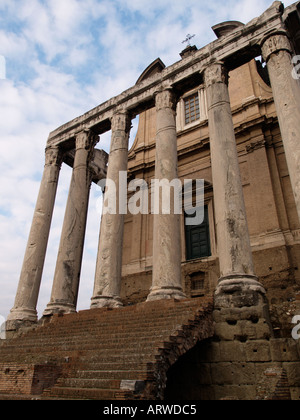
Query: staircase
{"x":104,"y":354}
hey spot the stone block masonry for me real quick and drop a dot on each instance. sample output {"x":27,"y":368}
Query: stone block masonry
{"x":237,"y":364}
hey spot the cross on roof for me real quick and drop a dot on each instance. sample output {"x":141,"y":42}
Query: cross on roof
{"x":188,"y":39}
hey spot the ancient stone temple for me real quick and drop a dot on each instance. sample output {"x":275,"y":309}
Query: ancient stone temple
{"x":181,"y":309}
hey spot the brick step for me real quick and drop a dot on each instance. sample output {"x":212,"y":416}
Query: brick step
{"x":89,"y":383}
{"x":97,"y":347}
{"x":132,"y":366}
{"x":117,"y":315}
{"x":83,"y":393}
{"x":114,"y":374}
{"x":120,"y":325}
{"x":83,"y":345}
{"x":107,"y":362}
{"x":37,"y":359}
{"x":140,"y":311}
{"x":146,"y":355}
{"x":18,"y":397}
{"x":87,"y":335}
{"x":91,"y":344}
{"x":126,"y":312}
{"x":75,"y":343}
{"x":99,"y":332}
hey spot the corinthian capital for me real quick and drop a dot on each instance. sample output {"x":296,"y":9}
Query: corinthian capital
{"x":86,"y":139}
{"x":121,"y":121}
{"x":165,"y":99}
{"x":275,"y":43}
{"x":53,"y":156}
{"x":215,"y":73}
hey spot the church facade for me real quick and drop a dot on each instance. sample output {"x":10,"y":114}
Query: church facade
{"x":270,"y":206}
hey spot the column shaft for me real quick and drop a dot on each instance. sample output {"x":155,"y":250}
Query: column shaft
{"x":24,"y":309}
{"x":68,"y":267}
{"x":277,"y":52}
{"x":166,"y":282}
{"x":107,"y":286}
{"x":237,"y":273}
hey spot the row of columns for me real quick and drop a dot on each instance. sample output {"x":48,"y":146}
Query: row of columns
{"x":235,"y":256}
{"x":68,"y":267}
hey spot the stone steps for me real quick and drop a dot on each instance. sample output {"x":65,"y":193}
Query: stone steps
{"x":143,"y":344}
{"x":90,"y":383}
{"x":112,"y":374}
{"x":83,"y":393}
{"x":93,"y":338}
{"x":99,"y":351}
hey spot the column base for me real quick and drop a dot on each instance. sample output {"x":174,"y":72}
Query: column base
{"x":21,"y":318}
{"x":106,"y":302}
{"x":59,"y":308}
{"x":238,"y":291}
{"x":241,"y":309}
{"x":163,"y":293}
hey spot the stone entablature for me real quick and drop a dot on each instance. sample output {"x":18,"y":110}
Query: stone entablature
{"x":234,"y":49}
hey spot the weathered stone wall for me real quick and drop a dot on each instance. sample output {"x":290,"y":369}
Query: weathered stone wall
{"x":248,"y":367}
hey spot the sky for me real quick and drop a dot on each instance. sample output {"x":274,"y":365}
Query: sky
{"x":58,"y":59}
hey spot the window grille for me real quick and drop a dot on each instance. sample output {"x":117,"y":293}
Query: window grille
{"x":191,"y":108}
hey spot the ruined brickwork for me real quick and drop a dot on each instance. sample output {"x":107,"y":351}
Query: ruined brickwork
{"x":219,"y":115}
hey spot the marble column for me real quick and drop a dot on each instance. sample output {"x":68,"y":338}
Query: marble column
{"x":277,"y":52}
{"x":107,"y":286}
{"x":166,"y":281}
{"x":24,"y":310}
{"x":68,"y":266}
{"x":238,"y":285}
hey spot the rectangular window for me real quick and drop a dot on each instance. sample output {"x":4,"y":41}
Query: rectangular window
{"x":198,"y":239}
{"x":191,"y":108}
